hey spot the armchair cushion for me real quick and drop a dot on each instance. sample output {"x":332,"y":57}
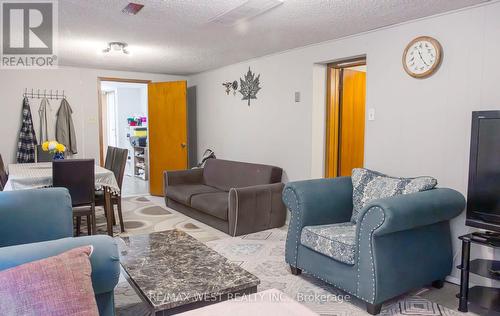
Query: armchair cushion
{"x":215,"y":204}
{"x":337,"y":241}
{"x":183,"y":193}
{"x":370,"y":185}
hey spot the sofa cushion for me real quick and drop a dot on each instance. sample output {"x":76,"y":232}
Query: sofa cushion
{"x":225,"y":174}
{"x":183,"y":193}
{"x":58,"y":285}
{"x":370,"y":185}
{"x":215,"y":204}
{"x":337,"y":241}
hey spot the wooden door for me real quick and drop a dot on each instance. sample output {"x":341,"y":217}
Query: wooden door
{"x":167,"y":126}
{"x":352,"y":121}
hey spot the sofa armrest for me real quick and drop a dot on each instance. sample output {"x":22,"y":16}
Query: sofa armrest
{"x":28,"y":216}
{"x":190,"y":176}
{"x":256,"y":208}
{"x":410,"y":211}
{"x":104,"y":258}
{"x":315,"y":202}
{"x":413,"y":227}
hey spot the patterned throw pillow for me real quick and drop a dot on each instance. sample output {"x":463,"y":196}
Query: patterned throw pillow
{"x":56,"y":286}
{"x":370,"y":185}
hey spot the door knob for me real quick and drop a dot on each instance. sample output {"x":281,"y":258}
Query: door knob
{"x":183,"y":145}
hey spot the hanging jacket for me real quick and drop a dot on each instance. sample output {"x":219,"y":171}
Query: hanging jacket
{"x":46,"y":123}
{"x":27,"y":138}
{"x":65,"y":130}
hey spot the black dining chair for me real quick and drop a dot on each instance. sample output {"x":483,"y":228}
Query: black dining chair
{"x":43,"y":156}
{"x":3,"y":175}
{"x":116,"y":163}
{"x":78,"y":176}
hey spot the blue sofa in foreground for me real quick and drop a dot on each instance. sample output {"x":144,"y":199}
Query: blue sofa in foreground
{"x":398,"y":244}
{"x":35,"y":224}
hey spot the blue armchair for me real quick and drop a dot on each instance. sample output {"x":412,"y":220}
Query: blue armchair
{"x":398,"y":244}
{"x":35,"y":224}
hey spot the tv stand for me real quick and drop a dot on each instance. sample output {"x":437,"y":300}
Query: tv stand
{"x":482,"y":296}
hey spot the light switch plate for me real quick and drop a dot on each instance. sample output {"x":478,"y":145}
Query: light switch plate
{"x":297,"y":96}
{"x":371,"y":114}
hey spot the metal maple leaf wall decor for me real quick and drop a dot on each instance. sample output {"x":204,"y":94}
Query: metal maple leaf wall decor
{"x":250,"y":86}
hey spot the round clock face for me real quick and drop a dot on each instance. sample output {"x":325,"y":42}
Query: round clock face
{"x":422,"y":56}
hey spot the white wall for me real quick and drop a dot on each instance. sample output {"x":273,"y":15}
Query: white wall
{"x":422,"y":127}
{"x":130,"y":102}
{"x":80,"y":86}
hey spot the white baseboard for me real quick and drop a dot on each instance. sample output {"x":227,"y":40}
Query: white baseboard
{"x":453,"y":280}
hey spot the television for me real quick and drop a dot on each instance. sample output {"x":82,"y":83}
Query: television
{"x":483,"y":194}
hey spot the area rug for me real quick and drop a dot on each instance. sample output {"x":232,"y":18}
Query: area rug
{"x":147,"y":214}
{"x":263,"y":255}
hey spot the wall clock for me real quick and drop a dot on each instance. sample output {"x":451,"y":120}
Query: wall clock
{"x":422,"y":57}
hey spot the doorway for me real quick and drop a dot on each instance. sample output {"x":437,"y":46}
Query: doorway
{"x":149,"y":119}
{"x":124,"y":124}
{"x":345,"y":117}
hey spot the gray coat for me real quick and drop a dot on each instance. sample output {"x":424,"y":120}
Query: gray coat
{"x":65,"y":130}
{"x":46,"y":123}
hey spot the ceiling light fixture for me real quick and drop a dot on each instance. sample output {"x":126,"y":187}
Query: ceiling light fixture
{"x":116,"y":47}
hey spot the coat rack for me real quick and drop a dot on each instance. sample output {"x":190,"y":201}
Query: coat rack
{"x":38,"y":94}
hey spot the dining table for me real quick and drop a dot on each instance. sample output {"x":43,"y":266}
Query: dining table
{"x":39,"y":175}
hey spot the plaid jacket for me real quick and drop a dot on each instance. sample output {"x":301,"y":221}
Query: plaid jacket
{"x":27,"y":138}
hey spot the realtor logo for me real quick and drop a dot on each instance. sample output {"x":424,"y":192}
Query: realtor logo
{"x":28,"y":34}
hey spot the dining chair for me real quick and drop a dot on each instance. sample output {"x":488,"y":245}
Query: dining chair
{"x":108,"y":164}
{"x":110,"y":155}
{"x":43,"y":156}
{"x":3,"y":175}
{"x":78,"y":176}
{"x":116,"y":163}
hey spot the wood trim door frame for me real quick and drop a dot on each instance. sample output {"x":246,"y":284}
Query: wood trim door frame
{"x":99,"y":106}
{"x":332,"y":121}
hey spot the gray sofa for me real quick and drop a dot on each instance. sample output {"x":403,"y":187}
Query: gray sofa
{"x":235,"y":197}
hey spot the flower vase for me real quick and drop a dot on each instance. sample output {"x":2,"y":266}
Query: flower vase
{"x":58,"y":156}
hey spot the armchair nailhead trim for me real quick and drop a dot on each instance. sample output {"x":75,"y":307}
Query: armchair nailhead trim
{"x":327,"y":281}
{"x":370,"y":238}
{"x":294,"y":207}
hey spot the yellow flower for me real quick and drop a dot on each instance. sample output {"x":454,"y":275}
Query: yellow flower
{"x":60,"y":148}
{"x":45,"y":146}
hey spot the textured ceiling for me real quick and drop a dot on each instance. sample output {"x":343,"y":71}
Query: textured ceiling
{"x":175,"y":37}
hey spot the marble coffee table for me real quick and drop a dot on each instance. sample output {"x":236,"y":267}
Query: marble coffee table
{"x":173,"y":272}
